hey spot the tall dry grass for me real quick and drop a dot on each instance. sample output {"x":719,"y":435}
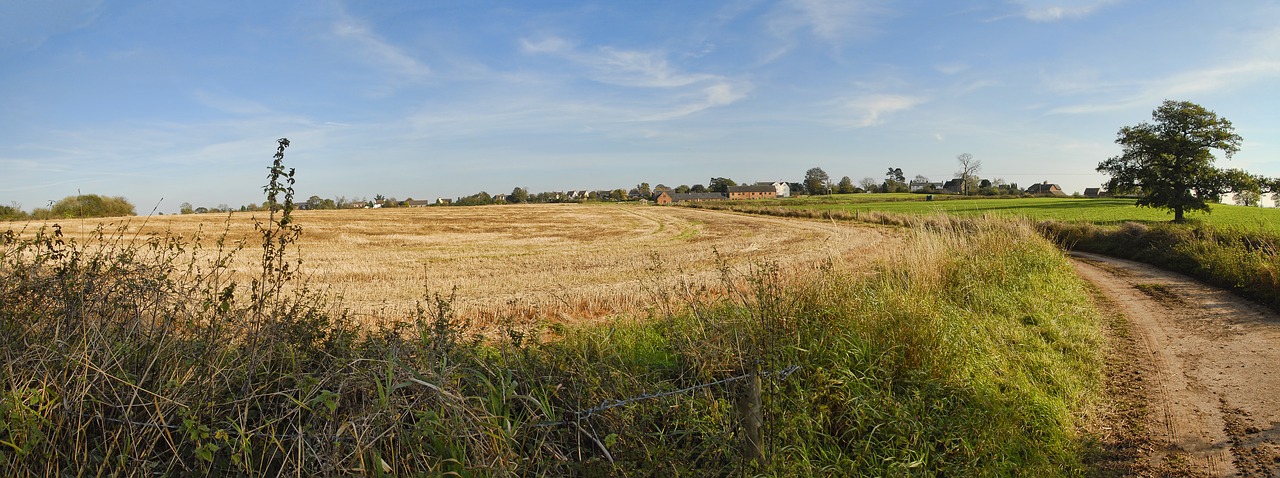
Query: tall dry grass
{"x":968,"y":351}
{"x":569,"y":263}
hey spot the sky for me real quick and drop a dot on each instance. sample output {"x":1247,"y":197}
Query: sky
{"x":170,"y":102}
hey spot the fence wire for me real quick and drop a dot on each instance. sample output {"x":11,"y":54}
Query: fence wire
{"x":780,"y":374}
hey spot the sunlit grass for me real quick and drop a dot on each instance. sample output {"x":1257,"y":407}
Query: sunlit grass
{"x":1100,"y":211}
{"x":966,"y":349}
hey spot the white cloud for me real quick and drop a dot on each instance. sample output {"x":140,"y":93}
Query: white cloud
{"x":378,"y":51}
{"x":834,"y":22}
{"x":648,"y":69}
{"x":831,"y":20}
{"x":636,"y":68}
{"x":719,"y":94}
{"x":1176,"y":86}
{"x":1055,"y":10}
{"x":545,"y":45}
{"x":1219,"y":78}
{"x":689,"y":92}
{"x":873,"y":108}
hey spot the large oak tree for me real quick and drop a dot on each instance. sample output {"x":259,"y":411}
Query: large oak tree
{"x":1169,"y":162}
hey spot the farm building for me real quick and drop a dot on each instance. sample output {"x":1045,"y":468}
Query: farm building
{"x":1092,"y":192}
{"x":669,"y":197}
{"x":918,"y":186}
{"x":417,"y":203}
{"x":783,"y":189}
{"x":766,"y":191}
{"x":1046,"y":189}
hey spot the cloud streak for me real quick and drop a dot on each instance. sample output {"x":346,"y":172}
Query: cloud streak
{"x":649,"y":71}
{"x":378,"y":51}
{"x":1057,"y":10}
{"x":1180,"y":86}
{"x":872,"y":109}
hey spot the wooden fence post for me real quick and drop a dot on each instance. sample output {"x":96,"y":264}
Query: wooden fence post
{"x":750,"y":415}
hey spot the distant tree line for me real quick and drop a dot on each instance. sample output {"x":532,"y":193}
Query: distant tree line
{"x":71,"y":207}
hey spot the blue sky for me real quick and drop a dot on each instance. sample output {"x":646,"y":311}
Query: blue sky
{"x":184,"y":100}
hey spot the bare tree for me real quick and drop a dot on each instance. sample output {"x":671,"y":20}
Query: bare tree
{"x":869,"y":184}
{"x":968,"y":166}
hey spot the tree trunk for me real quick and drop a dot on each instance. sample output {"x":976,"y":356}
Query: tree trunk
{"x":1177,"y":215}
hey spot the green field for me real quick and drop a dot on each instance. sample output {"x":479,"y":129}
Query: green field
{"x":1097,"y":211}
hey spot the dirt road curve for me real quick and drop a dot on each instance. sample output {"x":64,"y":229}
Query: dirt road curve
{"x":1214,"y":399}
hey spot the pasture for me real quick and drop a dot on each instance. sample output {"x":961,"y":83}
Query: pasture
{"x":560,"y":262}
{"x":1099,"y":211}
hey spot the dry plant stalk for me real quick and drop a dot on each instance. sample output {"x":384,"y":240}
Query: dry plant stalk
{"x":554,"y":262}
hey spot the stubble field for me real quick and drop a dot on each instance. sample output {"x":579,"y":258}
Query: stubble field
{"x":560,"y":262}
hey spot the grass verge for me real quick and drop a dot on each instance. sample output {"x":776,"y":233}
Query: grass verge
{"x":1244,"y":261}
{"x":969,"y":353}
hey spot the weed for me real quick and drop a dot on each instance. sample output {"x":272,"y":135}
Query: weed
{"x":966,"y":354}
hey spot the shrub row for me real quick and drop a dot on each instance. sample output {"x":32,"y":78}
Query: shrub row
{"x":1246,"y":262}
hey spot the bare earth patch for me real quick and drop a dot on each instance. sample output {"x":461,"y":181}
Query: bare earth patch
{"x":1207,"y":362}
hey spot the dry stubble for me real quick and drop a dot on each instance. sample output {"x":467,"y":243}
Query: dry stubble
{"x":559,"y":262}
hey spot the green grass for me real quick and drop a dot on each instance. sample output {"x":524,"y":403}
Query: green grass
{"x":1101,"y":211}
{"x":970,"y":352}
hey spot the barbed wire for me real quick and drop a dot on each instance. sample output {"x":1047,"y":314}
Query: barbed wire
{"x":577,"y":416}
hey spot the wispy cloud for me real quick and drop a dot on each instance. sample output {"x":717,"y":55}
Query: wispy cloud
{"x":647,"y":69}
{"x":871,"y":109}
{"x":640,"y":68}
{"x":25,"y":26}
{"x":377,"y":50}
{"x":951,"y":68}
{"x":692,"y":92}
{"x":1056,"y":10}
{"x":545,"y":45}
{"x":230,"y":104}
{"x":1180,"y":85}
{"x":719,"y":94}
{"x":831,"y":20}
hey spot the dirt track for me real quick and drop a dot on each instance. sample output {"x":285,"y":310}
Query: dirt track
{"x":1210,"y":371}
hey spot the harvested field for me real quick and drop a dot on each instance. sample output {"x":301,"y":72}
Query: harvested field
{"x":558,"y":262}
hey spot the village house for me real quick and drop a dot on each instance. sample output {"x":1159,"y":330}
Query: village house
{"x":759,"y":191}
{"x":783,"y":189}
{"x":1046,"y":189}
{"x":918,"y":186}
{"x":667,"y":197}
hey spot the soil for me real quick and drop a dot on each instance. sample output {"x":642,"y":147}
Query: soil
{"x":1193,"y":381}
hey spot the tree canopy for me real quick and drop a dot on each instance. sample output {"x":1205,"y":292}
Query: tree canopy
{"x":719,"y":185}
{"x":86,"y":205}
{"x":1168,"y":163}
{"x":816,"y":180}
{"x":845,"y":186}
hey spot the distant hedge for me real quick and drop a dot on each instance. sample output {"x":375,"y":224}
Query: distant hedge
{"x":87,"y":205}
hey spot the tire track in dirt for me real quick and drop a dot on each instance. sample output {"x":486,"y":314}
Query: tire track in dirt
{"x":1215,"y":394}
